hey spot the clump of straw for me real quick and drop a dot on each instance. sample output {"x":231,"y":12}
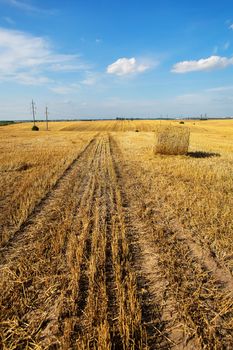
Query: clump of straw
{"x":172,"y":140}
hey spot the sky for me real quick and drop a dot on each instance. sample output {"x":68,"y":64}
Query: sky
{"x":108,"y":58}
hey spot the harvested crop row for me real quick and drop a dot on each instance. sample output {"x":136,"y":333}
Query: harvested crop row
{"x":110,"y":315}
{"x":102,"y":264}
{"x":201,"y":303}
{"x":66,"y":280}
{"x":41,"y":267}
{"x":29,"y":169}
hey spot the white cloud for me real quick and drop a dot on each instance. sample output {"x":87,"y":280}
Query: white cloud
{"x":126,"y":66}
{"x":29,"y":79}
{"x":27,"y":59}
{"x":91,"y":78}
{"x":65,"y":89}
{"x":68,"y":67}
{"x":27,"y":7}
{"x":204,"y":64}
{"x":220,"y":89}
{"x":231,"y":26}
{"x":89,"y":81}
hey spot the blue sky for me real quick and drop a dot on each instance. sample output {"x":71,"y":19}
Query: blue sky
{"x":105,"y":58}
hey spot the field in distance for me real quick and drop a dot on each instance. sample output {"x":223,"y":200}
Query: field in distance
{"x":106,"y":245}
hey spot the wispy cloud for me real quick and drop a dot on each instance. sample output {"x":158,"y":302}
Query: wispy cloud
{"x":231,"y":26}
{"x":28,"y":7}
{"x":220,"y":89}
{"x":215,"y":49}
{"x":204,"y":64}
{"x":31,"y":79}
{"x":28,"y":59}
{"x":127,"y":66}
{"x":9,"y":20}
{"x":65,"y":89}
{"x":226,"y":45}
{"x":91,"y":78}
{"x":223,"y":47}
{"x":98,"y":41}
{"x":68,"y":67}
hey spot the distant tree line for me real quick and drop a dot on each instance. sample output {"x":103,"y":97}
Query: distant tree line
{"x":121,"y":118}
{"x":6,"y":122}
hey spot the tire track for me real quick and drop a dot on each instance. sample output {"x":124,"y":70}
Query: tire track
{"x":153,"y":305}
{"x":112,"y":252}
{"x":81,"y":255}
{"x":88,"y":201}
{"x":46,"y":250}
{"x":45,"y":200}
{"x":206,"y":258}
{"x":111,"y":313}
{"x":194,"y":295}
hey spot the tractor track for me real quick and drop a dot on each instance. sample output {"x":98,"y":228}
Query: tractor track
{"x":150,"y":280}
{"x":102,"y":283}
{"x":43,"y":202}
{"x":193,"y":291}
{"x":68,"y":265}
{"x":91,"y":268}
{"x":34,"y":244}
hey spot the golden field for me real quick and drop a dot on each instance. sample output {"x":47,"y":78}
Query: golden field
{"x":107,"y":245}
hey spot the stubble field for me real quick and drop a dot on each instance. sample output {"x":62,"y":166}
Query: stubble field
{"x":105,"y":245}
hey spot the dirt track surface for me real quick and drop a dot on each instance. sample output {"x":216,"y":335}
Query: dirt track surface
{"x":99,"y":266}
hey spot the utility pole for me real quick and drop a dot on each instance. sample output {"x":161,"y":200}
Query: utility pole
{"x":34,"y":112}
{"x":46,"y":115}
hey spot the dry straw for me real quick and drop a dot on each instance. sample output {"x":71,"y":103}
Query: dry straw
{"x":172,"y":139}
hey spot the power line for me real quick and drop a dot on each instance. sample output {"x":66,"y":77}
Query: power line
{"x":34,"y":112}
{"x":46,"y":116}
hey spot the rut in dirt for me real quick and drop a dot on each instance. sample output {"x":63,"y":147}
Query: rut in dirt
{"x":15,"y":234}
{"x":38,"y":269}
{"x":193,"y":292}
